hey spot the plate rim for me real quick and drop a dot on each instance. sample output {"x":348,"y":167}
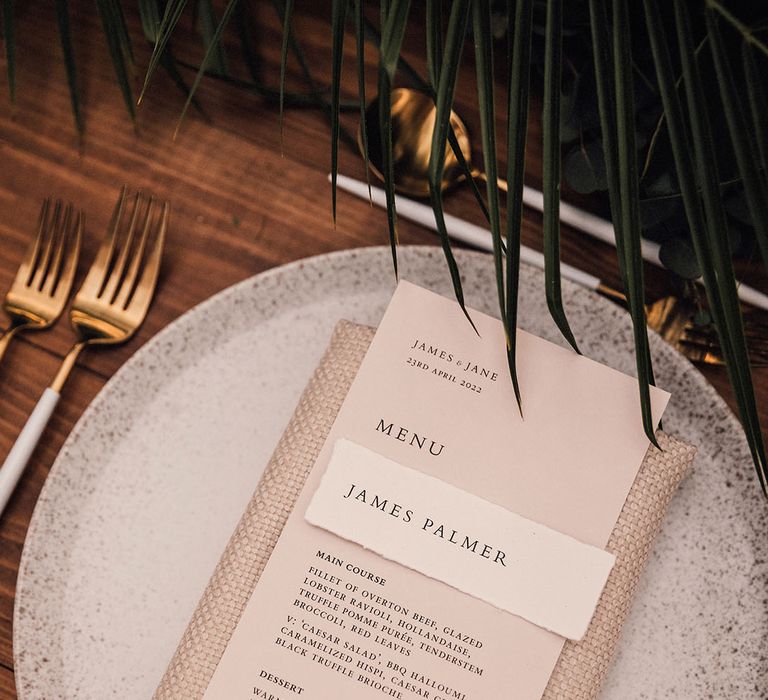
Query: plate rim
{"x":47,"y":496}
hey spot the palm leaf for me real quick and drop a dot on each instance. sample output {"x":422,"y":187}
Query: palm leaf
{"x":287,"y":14}
{"x":606,"y":102}
{"x":551,"y":166}
{"x":717,"y":288}
{"x":387,"y":158}
{"x":744,"y":150}
{"x":434,"y":32}
{"x":215,"y":39}
{"x":481,"y":30}
{"x":171,"y":16}
{"x":208,"y":23}
{"x":360,"y":48}
{"x":122,"y":30}
{"x":629,"y":231}
{"x":65,"y":36}
{"x":758,"y":102}
{"x":246,"y":30}
{"x":454,"y":44}
{"x":9,"y":38}
{"x":718,"y":260}
{"x":149,"y":12}
{"x":338,"y":18}
{"x":412,"y":74}
{"x":521,"y":20}
{"x":392,"y":35}
{"x":317,"y":92}
{"x":118,"y":43}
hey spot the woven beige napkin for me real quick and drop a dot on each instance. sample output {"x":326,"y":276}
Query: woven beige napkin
{"x":582,"y":665}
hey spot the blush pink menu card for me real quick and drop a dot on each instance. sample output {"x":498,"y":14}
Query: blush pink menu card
{"x":410,"y":566}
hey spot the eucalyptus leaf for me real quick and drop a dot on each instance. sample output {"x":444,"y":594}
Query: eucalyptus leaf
{"x":246,"y":30}
{"x":662,"y":185}
{"x":584,"y":167}
{"x":678,"y":255}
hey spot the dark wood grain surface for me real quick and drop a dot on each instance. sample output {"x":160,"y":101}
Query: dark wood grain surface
{"x":241,"y":204}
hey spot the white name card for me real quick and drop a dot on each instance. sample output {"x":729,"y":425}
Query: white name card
{"x":477,"y":547}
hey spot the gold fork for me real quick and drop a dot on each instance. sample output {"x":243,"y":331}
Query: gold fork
{"x":44,"y":280}
{"x":108,"y":309}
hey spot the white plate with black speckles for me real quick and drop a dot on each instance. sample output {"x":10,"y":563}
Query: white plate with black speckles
{"x":155,"y":475}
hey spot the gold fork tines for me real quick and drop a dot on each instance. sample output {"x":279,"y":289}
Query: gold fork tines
{"x":109,"y":307}
{"x":44,"y":279}
{"x":114,"y":298}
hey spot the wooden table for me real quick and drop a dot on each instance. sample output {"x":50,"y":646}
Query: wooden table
{"x":240,"y":206}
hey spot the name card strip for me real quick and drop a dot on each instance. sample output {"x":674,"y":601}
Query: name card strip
{"x":477,"y":547}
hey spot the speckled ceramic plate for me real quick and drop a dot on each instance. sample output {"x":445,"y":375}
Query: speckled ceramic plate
{"x":153,"y":478}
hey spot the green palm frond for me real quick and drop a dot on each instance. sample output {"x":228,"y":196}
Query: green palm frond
{"x":481,"y":24}
{"x":520,"y":17}
{"x":65,"y":37}
{"x":338,"y":18}
{"x":9,"y":38}
{"x":713,"y":260}
{"x":359,"y":11}
{"x":703,"y":64}
{"x":210,"y":53}
{"x":434,"y":40}
{"x":758,"y":102}
{"x":162,"y":35}
{"x":729,"y":323}
{"x":454,"y":45}
{"x":550,"y":119}
{"x":120,"y":51}
{"x":287,"y":14}
{"x":629,"y":229}
{"x":387,"y":156}
{"x":392,"y":35}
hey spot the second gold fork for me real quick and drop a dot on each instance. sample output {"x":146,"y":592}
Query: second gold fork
{"x":108,"y":309}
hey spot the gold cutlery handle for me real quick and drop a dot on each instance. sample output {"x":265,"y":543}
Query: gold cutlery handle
{"x":66,"y":366}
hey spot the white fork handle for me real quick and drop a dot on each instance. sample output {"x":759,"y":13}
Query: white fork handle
{"x":22,"y":449}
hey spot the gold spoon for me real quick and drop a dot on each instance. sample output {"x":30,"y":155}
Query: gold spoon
{"x":413,"y":120}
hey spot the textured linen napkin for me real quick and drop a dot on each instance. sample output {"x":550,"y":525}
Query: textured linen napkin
{"x":582,"y":665}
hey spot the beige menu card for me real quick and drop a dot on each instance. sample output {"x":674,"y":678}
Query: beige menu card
{"x":430,"y":427}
